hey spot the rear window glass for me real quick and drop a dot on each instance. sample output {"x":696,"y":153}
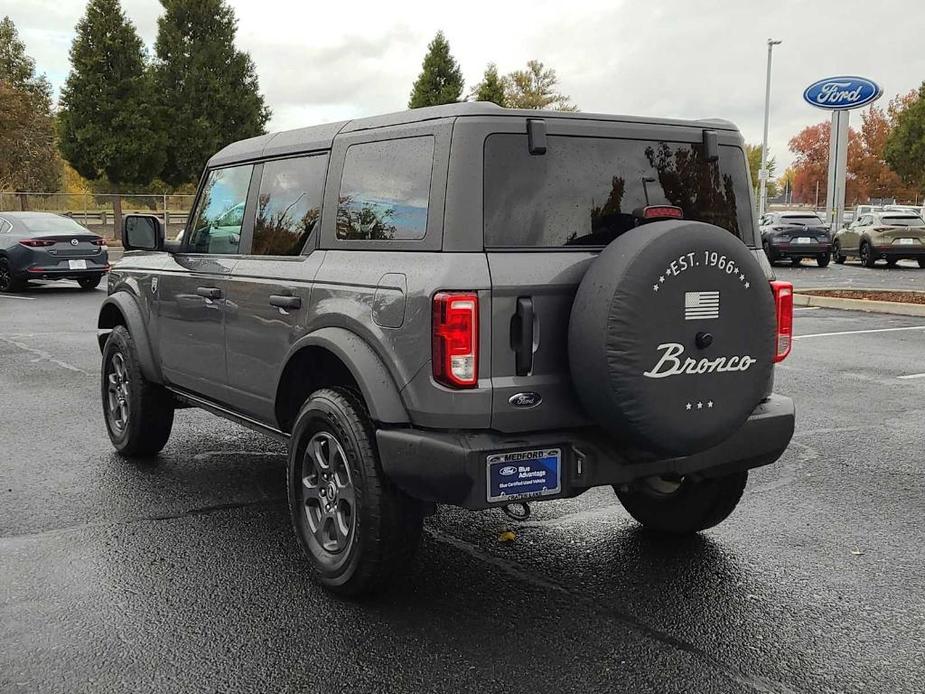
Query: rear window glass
{"x":52,"y":223}
{"x":385,"y":189}
{"x":800,"y":219}
{"x":584,"y":190}
{"x":909,"y":221}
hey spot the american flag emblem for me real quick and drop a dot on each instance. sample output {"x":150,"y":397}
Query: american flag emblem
{"x":701,"y":305}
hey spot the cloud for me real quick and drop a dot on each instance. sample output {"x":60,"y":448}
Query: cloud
{"x":319,"y":62}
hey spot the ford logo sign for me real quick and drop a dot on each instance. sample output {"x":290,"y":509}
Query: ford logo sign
{"x":508,"y":470}
{"x":525,"y":400}
{"x":842,"y":93}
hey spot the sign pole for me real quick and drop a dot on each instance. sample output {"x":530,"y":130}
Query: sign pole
{"x":838,"y":169}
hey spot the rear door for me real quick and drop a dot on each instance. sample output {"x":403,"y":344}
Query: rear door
{"x":192,"y":289}
{"x":270,"y":289}
{"x":547,"y":216}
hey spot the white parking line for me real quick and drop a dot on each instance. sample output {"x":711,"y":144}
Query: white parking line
{"x":911,"y":376}
{"x":807,"y":308}
{"x":21,"y":298}
{"x":859,"y":332}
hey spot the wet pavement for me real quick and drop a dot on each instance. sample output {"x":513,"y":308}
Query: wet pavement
{"x":182,"y":574}
{"x":907,"y":275}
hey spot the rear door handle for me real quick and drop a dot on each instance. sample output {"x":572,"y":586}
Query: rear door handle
{"x":209,"y":292}
{"x":285,"y":301}
{"x":522,"y":336}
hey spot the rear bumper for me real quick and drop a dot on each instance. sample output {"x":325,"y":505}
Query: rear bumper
{"x":800,"y":250}
{"x":36,"y":264}
{"x":898,"y":252}
{"x":451,"y":468}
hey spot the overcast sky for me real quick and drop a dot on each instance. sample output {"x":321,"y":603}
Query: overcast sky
{"x":324,"y":61}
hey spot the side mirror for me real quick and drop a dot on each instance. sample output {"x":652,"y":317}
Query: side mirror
{"x":142,"y":232}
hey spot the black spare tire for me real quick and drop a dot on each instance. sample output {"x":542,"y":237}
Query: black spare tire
{"x":671,"y":336}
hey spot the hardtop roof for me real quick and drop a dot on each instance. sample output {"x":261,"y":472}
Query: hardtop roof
{"x":320,"y":137}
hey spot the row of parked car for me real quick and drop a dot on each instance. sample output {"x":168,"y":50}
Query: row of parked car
{"x":891,"y":233}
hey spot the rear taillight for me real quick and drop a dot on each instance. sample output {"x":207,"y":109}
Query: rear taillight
{"x":36,"y":243}
{"x":783,"y":303}
{"x":456,"y":339}
{"x":98,"y":242}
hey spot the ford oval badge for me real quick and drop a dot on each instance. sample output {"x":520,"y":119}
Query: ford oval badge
{"x":842,"y":93}
{"x":508,"y":470}
{"x":526,"y":400}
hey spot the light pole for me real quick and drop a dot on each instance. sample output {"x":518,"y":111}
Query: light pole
{"x":763,"y":171}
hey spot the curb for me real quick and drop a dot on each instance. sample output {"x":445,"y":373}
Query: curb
{"x":894,"y":307}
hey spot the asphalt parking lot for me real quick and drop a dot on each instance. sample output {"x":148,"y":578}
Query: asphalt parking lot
{"x":907,"y":275}
{"x":183,"y":574}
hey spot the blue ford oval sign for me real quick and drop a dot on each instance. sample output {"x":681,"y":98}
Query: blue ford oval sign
{"x":842,"y":93}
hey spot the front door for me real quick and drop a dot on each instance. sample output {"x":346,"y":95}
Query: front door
{"x":193,"y":288}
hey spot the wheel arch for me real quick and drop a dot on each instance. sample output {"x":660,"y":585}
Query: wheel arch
{"x":334,"y":356}
{"x":122,"y":309}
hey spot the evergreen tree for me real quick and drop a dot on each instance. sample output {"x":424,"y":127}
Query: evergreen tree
{"x":106,"y":124}
{"x":491,"y":88}
{"x":441,"y":80}
{"x":535,"y":87}
{"x":29,"y":160}
{"x":207,"y":89}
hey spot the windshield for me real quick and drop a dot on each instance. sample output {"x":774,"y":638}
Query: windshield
{"x":810,"y":219}
{"x":909,"y":221}
{"x":584,"y":190}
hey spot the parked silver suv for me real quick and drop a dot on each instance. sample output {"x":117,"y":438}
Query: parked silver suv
{"x":465,"y":305}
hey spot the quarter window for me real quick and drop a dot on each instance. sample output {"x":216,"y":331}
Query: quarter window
{"x":220,"y":212}
{"x":385,"y":189}
{"x":288,"y":205}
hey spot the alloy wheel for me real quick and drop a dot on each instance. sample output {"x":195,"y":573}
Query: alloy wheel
{"x":117,"y":392}
{"x":328,"y":493}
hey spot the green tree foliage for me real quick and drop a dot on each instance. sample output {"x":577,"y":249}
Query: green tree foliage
{"x":106,"y":119}
{"x":207,"y":90}
{"x":29,"y":160}
{"x":441,"y":80}
{"x":905,"y":145}
{"x":753,"y":154}
{"x":491,"y":88}
{"x":535,"y":88}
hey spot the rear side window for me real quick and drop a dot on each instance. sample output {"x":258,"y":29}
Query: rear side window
{"x":288,"y":204}
{"x":385,"y":189}
{"x":584,"y":190}
{"x":220,"y":211}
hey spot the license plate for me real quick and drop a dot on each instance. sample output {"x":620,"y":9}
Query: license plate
{"x":524,"y":474}
{"x":907,"y":242}
{"x":804,"y":239}
{"x":77,"y":264}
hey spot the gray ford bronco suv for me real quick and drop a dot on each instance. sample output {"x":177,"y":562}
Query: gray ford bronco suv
{"x":463,"y":305}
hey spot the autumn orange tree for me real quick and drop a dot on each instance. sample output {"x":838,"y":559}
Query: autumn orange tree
{"x":869,"y":175}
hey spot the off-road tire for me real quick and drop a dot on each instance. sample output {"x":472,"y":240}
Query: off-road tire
{"x":822,"y":260}
{"x":837,"y":255}
{"x":695,"y":506}
{"x":868,"y":259}
{"x":88,"y":283}
{"x":8,"y":283}
{"x":387,"y":523}
{"x":150,"y":406}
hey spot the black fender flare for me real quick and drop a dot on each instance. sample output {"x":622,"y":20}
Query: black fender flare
{"x":127,"y":307}
{"x":376,"y":383}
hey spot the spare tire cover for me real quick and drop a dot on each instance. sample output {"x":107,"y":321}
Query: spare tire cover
{"x":671,"y":336}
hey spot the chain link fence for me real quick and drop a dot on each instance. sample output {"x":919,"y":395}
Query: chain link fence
{"x":95,"y":211}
